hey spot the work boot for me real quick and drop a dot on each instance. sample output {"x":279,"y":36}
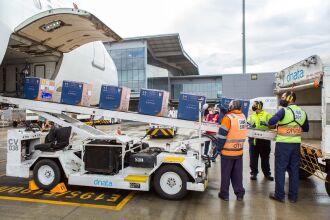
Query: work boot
{"x":269,"y":178}
{"x":292,"y":200}
{"x":253,"y":177}
{"x":272,"y":196}
{"x":240,"y":198}
{"x":223,"y":198}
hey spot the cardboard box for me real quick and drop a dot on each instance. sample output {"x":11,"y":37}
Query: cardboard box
{"x":76,"y":93}
{"x":189,"y":106}
{"x":224,"y":104}
{"x":153,"y":102}
{"x":38,"y":89}
{"x":114,"y":98}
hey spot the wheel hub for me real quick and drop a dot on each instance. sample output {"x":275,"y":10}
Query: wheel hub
{"x":46,"y":175}
{"x":171,"y":182}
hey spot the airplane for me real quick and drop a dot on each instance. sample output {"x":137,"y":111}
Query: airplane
{"x":53,"y":39}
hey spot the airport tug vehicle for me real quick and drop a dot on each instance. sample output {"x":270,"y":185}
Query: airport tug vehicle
{"x":96,"y":159}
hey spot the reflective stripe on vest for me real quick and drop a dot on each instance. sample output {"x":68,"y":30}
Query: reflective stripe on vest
{"x":289,"y":128}
{"x":236,"y":136}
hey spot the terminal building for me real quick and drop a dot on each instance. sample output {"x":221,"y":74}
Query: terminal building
{"x":160,"y":62}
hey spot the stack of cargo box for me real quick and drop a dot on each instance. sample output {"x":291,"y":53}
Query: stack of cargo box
{"x":76,"y":93}
{"x":114,"y":98}
{"x":189,"y":106}
{"x":38,"y":89}
{"x":153,"y":102}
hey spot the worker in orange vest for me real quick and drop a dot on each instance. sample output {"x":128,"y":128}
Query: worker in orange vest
{"x":231,"y":138}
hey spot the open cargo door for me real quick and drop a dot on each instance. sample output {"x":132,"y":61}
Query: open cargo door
{"x":58,"y":31}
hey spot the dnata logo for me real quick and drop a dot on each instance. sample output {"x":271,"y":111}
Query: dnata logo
{"x":104,"y":183}
{"x":295,"y":75}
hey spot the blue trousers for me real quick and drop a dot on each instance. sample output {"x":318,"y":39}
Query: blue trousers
{"x":287,"y":158}
{"x":232,"y":170}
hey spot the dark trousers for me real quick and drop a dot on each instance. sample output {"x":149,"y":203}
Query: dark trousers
{"x":287,"y":158}
{"x":232,"y":170}
{"x":262,"y":149}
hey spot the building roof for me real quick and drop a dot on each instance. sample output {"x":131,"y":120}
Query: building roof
{"x":167,"y":50}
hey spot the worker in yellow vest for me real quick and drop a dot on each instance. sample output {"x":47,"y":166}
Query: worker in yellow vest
{"x":231,"y":137}
{"x":291,"y":121}
{"x":259,"y":120}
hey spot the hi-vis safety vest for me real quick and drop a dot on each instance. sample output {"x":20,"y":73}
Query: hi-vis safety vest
{"x":289,"y":128}
{"x":256,"y":118}
{"x":236,"y":136}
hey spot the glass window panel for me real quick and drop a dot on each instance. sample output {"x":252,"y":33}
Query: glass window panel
{"x":188,"y":87}
{"x":130,"y":53}
{"x":136,"y":52}
{"x":124,"y":64}
{"x":135,"y":84}
{"x":117,"y":63}
{"x":203,"y":86}
{"x":124,"y":75}
{"x":141,"y":75}
{"x":140,"y":52}
{"x":135,"y":64}
{"x":129,"y":63}
{"x":123,"y":54}
{"x":115,"y":54}
{"x":185,"y":87}
{"x":128,"y":84}
{"x":140,"y":63}
{"x":129,"y":75}
{"x":142,"y":84}
{"x":135,"y":75}
{"x":119,"y":75}
{"x":197,"y":87}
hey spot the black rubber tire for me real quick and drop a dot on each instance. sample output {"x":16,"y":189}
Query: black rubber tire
{"x":56,"y":169}
{"x":327,"y":184}
{"x":171,"y":168}
{"x":303,"y":174}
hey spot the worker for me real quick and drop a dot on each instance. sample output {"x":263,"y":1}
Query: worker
{"x":206,"y":112}
{"x":291,"y":121}
{"x":231,"y":138}
{"x":51,"y":136}
{"x":45,"y":126}
{"x":259,"y":120}
{"x":211,"y":117}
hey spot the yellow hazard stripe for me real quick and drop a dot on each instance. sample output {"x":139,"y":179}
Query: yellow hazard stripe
{"x":171,"y":131}
{"x":164,"y":132}
{"x":154,"y":132}
{"x":173,"y":159}
{"x":98,"y":122}
{"x":136,"y":179}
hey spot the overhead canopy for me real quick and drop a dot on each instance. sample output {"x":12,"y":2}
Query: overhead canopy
{"x":63,"y":30}
{"x":168,"y":50}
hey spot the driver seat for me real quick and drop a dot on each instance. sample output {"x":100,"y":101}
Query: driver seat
{"x":56,"y":139}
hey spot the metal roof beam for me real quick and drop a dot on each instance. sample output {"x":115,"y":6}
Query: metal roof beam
{"x":166,"y":54}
